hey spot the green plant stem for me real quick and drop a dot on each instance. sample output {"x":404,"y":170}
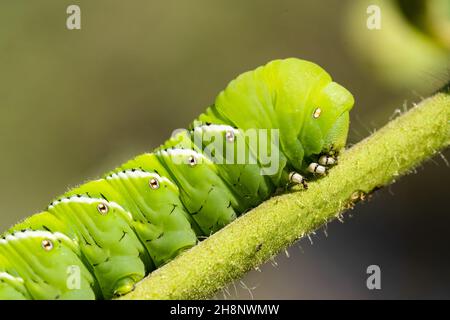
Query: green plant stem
{"x":266,"y":230}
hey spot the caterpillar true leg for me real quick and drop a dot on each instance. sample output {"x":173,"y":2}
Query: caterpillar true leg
{"x":297,"y":178}
{"x":327,"y":160}
{"x":316,"y":168}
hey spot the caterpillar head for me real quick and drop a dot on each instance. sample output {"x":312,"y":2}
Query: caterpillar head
{"x":331,"y":115}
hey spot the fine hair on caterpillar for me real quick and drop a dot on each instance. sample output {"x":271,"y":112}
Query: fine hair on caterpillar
{"x":223,"y":144}
{"x":279,"y":125}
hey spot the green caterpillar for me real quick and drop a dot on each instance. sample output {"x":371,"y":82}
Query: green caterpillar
{"x":99,"y":239}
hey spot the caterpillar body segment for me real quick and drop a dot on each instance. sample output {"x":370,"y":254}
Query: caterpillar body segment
{"x":35,"y":263}
{"x":244,"y":176}
{"x":100,"y":238}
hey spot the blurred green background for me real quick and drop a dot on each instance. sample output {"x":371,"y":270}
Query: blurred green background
{"x":76,"y":103}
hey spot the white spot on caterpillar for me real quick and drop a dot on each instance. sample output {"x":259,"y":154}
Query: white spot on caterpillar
{"x":192,"y":161}
{"x":229,"y":136}
{"x":317,"y":113}
{"x":102,"y":208}
{"x":154,"y":183}
{"x":47,"y":245}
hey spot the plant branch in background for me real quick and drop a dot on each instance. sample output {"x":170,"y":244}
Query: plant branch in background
{"x":260,"y":234}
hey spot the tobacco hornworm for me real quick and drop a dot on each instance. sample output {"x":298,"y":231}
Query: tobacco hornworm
{"x":99,"y":239}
